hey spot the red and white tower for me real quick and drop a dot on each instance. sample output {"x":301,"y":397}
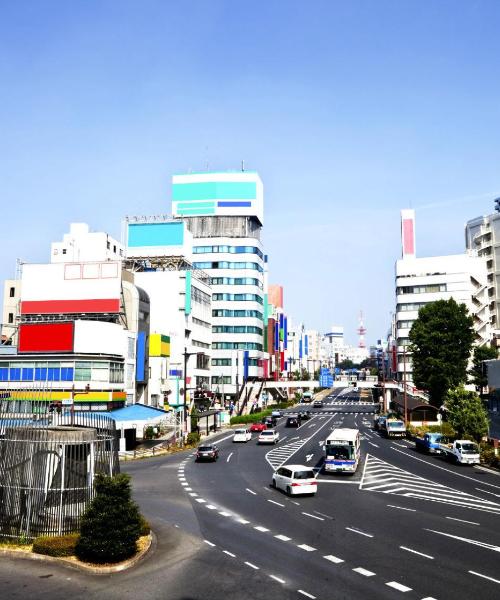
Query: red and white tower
{"x":361,"y":331}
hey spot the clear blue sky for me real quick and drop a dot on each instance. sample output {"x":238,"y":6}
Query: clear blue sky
{"x":350,"y":111}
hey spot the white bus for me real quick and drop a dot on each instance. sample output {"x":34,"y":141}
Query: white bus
{"x":342,"y":450}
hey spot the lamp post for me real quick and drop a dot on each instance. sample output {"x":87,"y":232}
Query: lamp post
{"x":404,"y":384}
{"x":186,"y":355}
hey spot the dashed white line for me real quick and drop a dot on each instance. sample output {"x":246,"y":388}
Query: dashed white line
{"x":251,"y":491}
{"x":462,"y":521}
{"x":283,"y":538}
{"x":184,"y":484}
{"x":209,"y":543}
{"x":229,"y":456}
{"x":260,"y":528}
{"x":211,"y":507}
{"x":306,"y":594}
{"x":360,"y":532}
{"x":306,"y":547}
{"x":398,"y":586}
{"x":243,"y":521}
{"x":376,"y":445}
{"x":484,"y":576}
{"x":193,"y":494}
{"x":416,"y":552}
{"x":223,"y":513}
{"x":364,"y":572}
{"x":200,"y":500}
{"x":313,"y":516}
{"x":293,"y":502}
{"x":278,"y":503}
{"x":334,"y":559}
{"x":277,"y":579}
{"x":251,"y":565}
{"x":402,"y":508}
{"x":229,"y":553}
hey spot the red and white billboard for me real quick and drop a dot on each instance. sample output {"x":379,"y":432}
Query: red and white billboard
{"x":46,"y":337}
{"x":65,"y":288}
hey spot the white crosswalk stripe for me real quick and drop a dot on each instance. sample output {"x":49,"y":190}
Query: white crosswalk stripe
{"x":381,"y":476}
{"x":278,"y":456}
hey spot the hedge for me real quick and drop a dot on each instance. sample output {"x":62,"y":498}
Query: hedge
{"x":60,"y":545}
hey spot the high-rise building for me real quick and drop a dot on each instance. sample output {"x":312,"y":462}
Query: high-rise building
{"x":224,"y":213}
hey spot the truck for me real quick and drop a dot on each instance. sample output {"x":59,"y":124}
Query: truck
{"x":393,"y":428}
{"x":307,"y":396}
{"x":464,"y":452}
{"x":429,"y":443}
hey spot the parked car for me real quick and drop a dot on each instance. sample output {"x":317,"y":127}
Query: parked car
{"x":318,"y":404}
{"x":207,"y":452}
{"x":295,"y":480}
{"x":258,"y":427}
{"x":242,"y":435}
{"x":269,"y":436}
{"x":293,"y":421}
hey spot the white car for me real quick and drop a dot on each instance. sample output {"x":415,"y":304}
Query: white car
{"x":295,"y":480}
{"x":268,"y":436}
{"x":242,"y":435}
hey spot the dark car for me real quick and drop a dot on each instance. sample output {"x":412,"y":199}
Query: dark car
{"x":293,"y":421}
{"x":305,"y":414}
{"x":207,"y":452}
{"x":318,"y":404}
{"x":270,"y":422}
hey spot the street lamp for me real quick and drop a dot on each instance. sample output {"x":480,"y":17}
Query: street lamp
{"x":186,"y":355}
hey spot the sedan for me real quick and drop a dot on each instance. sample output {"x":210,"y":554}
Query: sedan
{"x":258,"y":427}
{"x":269,"y":436}
{"x":318,"y":404}
{"x":295,"y":480}
{"x":207,"y":452}
{"x":304,"y":414}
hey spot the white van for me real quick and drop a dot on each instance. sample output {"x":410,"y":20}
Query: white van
{"x":295,"y":479}
{"x":242,"y":435}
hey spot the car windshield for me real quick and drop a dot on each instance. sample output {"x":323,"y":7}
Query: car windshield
{"x":303,"y":475}
{"x":340,"y":452}
{"x":240,"y":432}
{"x":395,"y":424}
{"x":205,"y":448}
{"x":268,"y":432}
{"x":469,"y":448}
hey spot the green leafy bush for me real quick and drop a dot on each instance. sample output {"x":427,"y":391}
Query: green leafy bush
{"x":112,"y":524}
{"x":488,"y":456}
{"x":59,"y":545}
{"x":193,"y":438}
{"x":145,"y":527}
{"x":253,"y":418}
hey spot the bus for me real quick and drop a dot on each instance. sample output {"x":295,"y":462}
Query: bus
{"x":342,"y":450}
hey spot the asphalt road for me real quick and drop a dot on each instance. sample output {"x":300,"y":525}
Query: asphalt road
{"x":406,"y":524}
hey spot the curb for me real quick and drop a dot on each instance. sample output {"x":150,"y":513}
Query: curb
{"x":85,"y":567}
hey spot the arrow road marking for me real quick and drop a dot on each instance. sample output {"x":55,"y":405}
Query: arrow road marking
{"x":308,"y":457}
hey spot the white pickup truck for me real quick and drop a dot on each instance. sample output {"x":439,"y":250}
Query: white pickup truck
{"x":464,"y":452}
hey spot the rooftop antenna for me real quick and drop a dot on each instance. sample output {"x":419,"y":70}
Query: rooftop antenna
{"x":361,"y":331}
{"x":243,"y":168}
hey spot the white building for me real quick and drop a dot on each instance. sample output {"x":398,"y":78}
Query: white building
{"x":224,"y":213}
{"x":420,"y":281}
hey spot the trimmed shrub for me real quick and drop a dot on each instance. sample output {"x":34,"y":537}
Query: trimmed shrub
{"x":59,"y":545}
{"x":488,"y":456}
{"x":193,"y":438}
{"x":145,"y":527}
{"x":111,"y":525}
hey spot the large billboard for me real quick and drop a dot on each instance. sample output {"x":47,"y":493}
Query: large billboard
{"x":69,"y":288}
{"x":46,"y":337}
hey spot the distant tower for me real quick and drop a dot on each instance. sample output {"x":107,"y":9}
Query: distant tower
{"x":361,"y":331}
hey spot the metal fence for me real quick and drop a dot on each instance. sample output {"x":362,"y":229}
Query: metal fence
{"x":48,"y":460}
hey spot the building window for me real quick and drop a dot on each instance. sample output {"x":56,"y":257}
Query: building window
{"x":218,"y":380}
{"x":64,"y":250}
{"x":11,"y":317}
{"x":221,"y":362}
{"x":108,"y":245}
{"x":199,"y":344}
{"x":422,"y":289}
{"x":199,"y":297}
{"x":12,"y":292}
{"x":114,"y":249}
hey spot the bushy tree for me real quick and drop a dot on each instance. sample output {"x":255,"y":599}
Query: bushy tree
{"x":440,"y":344}
{"x":477,"y":373}
{"x":466,"y":413}
{"x":111,"y":525}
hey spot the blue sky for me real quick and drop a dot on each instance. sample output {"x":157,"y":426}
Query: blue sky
{"x":350,"y":111}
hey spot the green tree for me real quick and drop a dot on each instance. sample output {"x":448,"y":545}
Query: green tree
{"x":477,"y":373}
{"x":111,"y":525}
{"x":466,"y":413}
{"x":346,"y":364}
{"x":440,"y":344}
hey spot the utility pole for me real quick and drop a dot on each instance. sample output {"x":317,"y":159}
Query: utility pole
{"x":405,"y":396}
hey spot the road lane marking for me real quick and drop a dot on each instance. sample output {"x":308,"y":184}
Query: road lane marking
{"x":323,"y":515}
{"x":463,"y":521}
{"x":398,"y":586}
{"x":445,"y":469}
{"x":364,"y":572}
{"x":306,"y":594}
{"x":243,"y":521}
{"x":313,"y":516}
{"x":402,"y":508}
{"x":308,"y":457}
{"x":252,"y":566}
{"x":184,"y":484}
{"x":209,"y":543}
{"x":376,"y":445}
{"x":211,"y":507}
{"x":229,"y":553}
{"x":360,"y":532}
{"x":200,"y":500}
{"x":416,"y":552}
{"x":261,"y":528}
{"x":224,"y":514}
{"x":283,"y":538}
{"x":306,"y":547}
{"x":277,"y":579}
{"x":334,"y":559}
{"x":278,"y":503}
{"x":486,"y":470}
{"x":484,"y":576}
{"x":467,"y":540}
{"x":229,"y":457}
{"x":251,"y":491}
{"x":193,"y":494}
{"x":486,"y":492}
{"x":293,"y":502}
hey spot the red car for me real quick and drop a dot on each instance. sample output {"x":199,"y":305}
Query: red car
{"x":258,"y":427}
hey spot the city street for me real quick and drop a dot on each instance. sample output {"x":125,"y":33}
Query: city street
{"x":405,"y":524}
